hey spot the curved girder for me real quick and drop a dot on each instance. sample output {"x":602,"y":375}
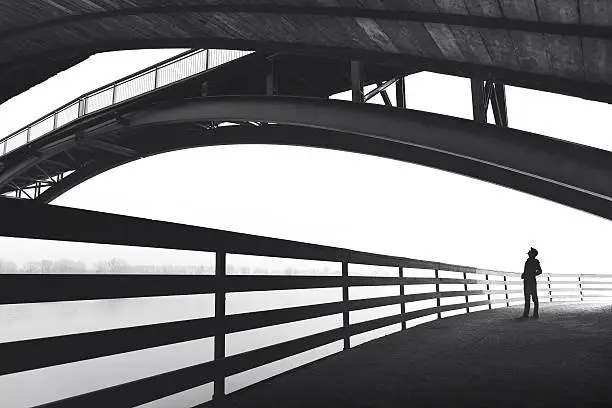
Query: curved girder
{"x":567,"y":173}
{"x":506,"y":41}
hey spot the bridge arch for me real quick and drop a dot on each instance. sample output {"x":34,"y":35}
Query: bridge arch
{"x":567,"y":173}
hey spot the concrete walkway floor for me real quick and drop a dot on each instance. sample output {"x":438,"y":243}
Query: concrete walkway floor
{"x":483,"y":359}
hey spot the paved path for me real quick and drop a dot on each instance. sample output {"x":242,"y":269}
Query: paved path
{"x":485,"y":359}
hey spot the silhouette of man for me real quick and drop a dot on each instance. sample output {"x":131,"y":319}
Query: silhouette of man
{"x":532,"y":269}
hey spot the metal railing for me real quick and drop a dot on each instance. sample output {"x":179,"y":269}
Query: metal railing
{"x":448,"y":288}
{"x":165,"y":73}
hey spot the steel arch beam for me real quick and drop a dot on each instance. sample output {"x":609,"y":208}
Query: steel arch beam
{"x":567,"y":173}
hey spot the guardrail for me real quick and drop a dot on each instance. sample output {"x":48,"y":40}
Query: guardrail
{"x":452,"y":287}
{"x":165,"y":73}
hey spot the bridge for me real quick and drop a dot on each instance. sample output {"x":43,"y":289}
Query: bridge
{"x":303,"y":54}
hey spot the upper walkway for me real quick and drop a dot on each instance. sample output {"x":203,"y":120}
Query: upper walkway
{"x":490,"y":358}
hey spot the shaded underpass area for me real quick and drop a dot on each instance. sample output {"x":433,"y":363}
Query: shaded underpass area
{"x":490,"y":358}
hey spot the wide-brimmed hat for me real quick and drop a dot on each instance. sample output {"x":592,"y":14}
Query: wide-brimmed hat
{"x":533,"y":251}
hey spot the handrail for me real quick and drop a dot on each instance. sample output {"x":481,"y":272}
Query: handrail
{"x":480,"y":291}
{"x":201,"y":60}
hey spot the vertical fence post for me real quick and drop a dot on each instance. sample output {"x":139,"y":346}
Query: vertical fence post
{"x":506,"y":291}
{"x":114,"y":99}
{"x":580,"y":287}
{"x":465,"y":288}
{"x":28,"y":134}
{"x":55,"y":120}
{"x":220,"y":270}
{"x":488,"y":291}
{"x":345,"y":304}
{"x":549,"y":289}
{"x":438,"y":295}
{"x":403,"y":304}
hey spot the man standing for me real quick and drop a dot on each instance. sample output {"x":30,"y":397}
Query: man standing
{"x":532,"y":269}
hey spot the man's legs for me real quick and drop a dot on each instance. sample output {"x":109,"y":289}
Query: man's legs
{"x":526,"y":311}
{"x":536,"y":303}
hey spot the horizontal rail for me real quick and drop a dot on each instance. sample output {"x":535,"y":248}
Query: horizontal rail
{"x":56,"y":288}
{"x":16,"y":288}
{"x":49,"y":222}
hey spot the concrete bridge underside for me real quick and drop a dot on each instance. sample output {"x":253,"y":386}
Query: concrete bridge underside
{"x":560,"y":46}
{"x":483,"y":359}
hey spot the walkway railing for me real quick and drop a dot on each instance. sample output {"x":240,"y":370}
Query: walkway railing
{"x":165,"y":73}
{"x":448,"y":288}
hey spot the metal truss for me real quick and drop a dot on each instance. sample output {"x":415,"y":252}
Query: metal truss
{"x":485,"y":92}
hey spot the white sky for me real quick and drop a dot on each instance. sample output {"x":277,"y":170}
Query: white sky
{"x":335,"y":198}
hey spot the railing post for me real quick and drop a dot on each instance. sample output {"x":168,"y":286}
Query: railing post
{"x":345,"y":308}
{"x":220,"y":270}
{"x":580,"y":287}
{"x":155,"y":75}
{"x":549,"y":289}
{"x":207,"y":59}
{"x":438,"y":295}
{"x":403,"y":304}
{"x":465,"y":288}
{"x":28,"y":134}
{"x":488,"y":291}
{"x":54,"y":120}
{"x":506,"y":292}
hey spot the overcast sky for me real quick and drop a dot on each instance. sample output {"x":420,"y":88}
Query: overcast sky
{"x":334,"y":198}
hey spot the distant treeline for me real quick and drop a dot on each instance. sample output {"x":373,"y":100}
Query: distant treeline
{"x":121,"y":266}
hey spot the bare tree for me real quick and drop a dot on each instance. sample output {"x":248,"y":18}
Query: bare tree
{"x":7,"y":266}
{"x":112,"y":266}
{"x":68,"y":266}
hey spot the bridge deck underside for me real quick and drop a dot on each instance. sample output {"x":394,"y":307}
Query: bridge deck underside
{"x":487,"y":358}
{"x":559,"y":45}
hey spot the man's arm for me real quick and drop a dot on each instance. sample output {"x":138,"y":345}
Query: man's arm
{"x":538,"y":269}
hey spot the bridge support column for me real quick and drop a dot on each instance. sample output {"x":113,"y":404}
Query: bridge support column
{"x":479,"y":102}
{"x":272,"y":77}
{"x":345,"y":309}
{"x":220,"y":270}
{"x":357,"y":81}
{"x":403,"y":304}
{"x":400,"y":93}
